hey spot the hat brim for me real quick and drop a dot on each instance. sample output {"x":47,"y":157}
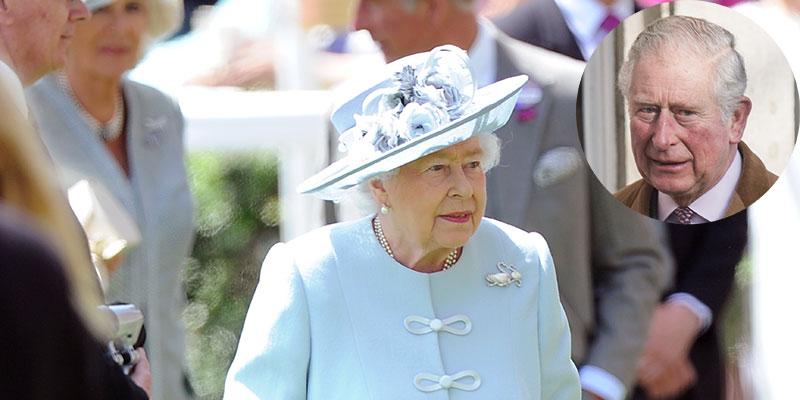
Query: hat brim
{"x":490,"y":110}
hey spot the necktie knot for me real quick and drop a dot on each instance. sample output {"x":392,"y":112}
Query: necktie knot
{"x":682,"y":215}
{"x":609,"y":23}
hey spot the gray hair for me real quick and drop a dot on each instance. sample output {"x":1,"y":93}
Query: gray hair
{"x":697,"y":37}
{"x":362,"y":195}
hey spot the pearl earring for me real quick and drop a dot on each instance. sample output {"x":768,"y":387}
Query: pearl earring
{"x":385,"y":209}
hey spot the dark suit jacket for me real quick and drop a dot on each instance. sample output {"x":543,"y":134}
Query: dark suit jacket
{"x":706,"y":256}
{"x":753,"y":183}
{"x":48,"y":353}
{"x":540,"y":23}
{"x":610,"y":264}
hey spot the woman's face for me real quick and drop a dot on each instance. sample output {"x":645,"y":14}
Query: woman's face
{"x":438,"y":201}
{"x":109,"y":43}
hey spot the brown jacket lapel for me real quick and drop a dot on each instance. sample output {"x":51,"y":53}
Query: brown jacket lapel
{"x":753,"y":183}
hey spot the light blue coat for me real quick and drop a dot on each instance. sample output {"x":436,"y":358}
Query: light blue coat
{"x":157,"y":197}
{"x":329,"y":321}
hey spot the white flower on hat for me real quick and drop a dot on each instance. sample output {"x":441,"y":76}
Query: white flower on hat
{"x":421,"y":99}
{"x":381,"y":101}
{"x":419,"y":119}
{"x":446,"y":80}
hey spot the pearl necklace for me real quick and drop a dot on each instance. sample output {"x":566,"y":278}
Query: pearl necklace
{"x":377,"y":228}
{"x":107,"y":131}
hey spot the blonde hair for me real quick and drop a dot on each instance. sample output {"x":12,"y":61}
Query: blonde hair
{"x":27,"y":184}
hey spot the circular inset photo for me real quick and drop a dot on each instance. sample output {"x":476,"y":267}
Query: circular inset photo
{"x":689,"y":112}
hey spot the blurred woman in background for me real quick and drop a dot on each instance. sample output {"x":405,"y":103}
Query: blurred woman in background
{"x":127,"y":137}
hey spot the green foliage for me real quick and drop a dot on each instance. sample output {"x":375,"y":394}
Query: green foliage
{"x":736,"y":317}
{"x":236,"y":198}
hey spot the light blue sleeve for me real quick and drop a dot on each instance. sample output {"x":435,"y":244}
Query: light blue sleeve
{"x":274,"y":349}
{"x":559,"y":375}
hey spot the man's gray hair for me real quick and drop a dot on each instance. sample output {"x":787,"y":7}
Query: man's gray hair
{"x":362,"y":195}
{"x":678,"y":35}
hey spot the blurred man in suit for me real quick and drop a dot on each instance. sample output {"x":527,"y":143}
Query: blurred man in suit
{"x":610,"y":264}
{"x":684,"y":86}
{"x":570,"y":27}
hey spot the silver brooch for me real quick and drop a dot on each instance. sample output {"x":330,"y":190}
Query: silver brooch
{"x":507,"y":275}
{"x":155,"y":129}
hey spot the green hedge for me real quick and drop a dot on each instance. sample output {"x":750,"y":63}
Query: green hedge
{"x":236,"y":203}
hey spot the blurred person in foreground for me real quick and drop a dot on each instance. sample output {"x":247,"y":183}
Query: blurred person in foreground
{"x":30,"y":48}
{"x":52,"y":328}
{"x":424,"y":297}
{"x":775,"y":227}
{"x":49,"y":295}
{"x":611,"y":264}
{"x":98,"y":125}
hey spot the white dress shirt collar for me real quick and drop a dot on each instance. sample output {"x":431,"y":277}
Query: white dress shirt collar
{"x":13,"y":86}
{"x":584,"y":17}
{"x":712,"y":204}
{"x":483,"y":54}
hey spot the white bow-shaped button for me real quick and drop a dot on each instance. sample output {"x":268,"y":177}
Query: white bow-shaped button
{"x":447,"y":381}
{"x":507,"y":275}
{"x":421,"y":325}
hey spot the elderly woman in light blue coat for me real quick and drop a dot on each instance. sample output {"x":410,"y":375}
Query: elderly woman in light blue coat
{"x":425,"y":298}
{"x":128,"y":138}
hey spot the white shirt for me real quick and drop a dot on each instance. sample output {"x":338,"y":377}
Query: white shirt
{"x":583,"y":17}
{"x":483,"y":55}
{"x":483,"y":62}
{"x":711,"y":205}
{"x":13,"y":86}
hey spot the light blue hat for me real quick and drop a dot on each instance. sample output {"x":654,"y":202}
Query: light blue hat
{"x":428,"y":102}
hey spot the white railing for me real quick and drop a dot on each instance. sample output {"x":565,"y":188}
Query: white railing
{"x":293,"y":123}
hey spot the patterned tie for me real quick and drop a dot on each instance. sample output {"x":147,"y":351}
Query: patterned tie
{"x":681,"y":215}
{"x":609,"y":23}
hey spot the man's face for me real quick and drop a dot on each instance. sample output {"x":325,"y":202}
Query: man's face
{"x":398,"y":30}
{"x":37,"y":34}
{"x":681,"y":144}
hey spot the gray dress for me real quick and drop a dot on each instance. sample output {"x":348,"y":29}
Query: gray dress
{"x":156,"y":195}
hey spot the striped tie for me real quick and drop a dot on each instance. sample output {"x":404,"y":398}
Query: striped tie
{"x":681,"y":215}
